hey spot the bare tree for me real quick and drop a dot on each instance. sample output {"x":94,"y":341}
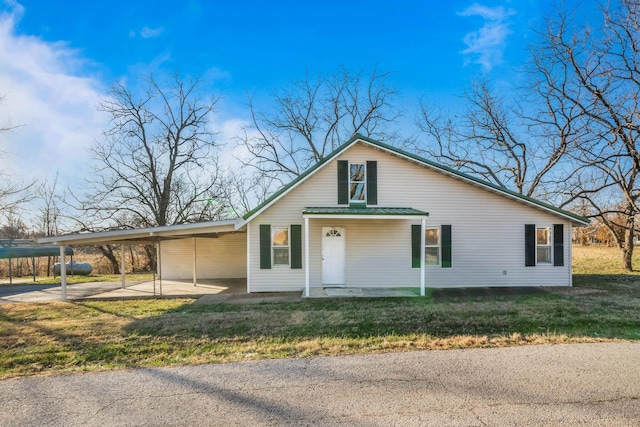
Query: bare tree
{"x":8,"y":126}
{"x":595,"y":71}
{"x":571,"y":138}
{"x":243,"y":192}
{"x":12,"y":194}
{"x":13,"y":228}
{"x":495,"y":142}
{"x":49,"y":213}
{"x":156,"y":164}
{"x":313,"y":117}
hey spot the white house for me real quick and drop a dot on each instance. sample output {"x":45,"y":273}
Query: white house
{"x":371,"y":215}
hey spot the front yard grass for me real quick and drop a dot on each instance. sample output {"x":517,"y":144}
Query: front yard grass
{"x":88,"y":336}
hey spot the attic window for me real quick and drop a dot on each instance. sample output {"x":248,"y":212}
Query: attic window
{"x":357,"y":182}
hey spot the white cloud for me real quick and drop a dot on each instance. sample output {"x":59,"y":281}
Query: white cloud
{"x":149,"y":33}
{"x":232,"y":155}
{"x":56,"y":106}
{"x":485,"y":46}
{"x":213,"y":74}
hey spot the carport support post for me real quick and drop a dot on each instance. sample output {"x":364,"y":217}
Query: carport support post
{"x":423,"y":225}
{"x":122,"y":278}
{"x":195,"y":280}
{"x":160,"y":265}
{"x":306,"y":257}
{"x":63,"y":274}
{"x":10,"y":266}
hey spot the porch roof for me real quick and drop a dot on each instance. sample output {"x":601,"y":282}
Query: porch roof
{"x":368,"y":212}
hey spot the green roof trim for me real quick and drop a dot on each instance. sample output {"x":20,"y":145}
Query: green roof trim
{"x":416,"y":158}
{"x":301,"y":177}
{"x":364,"y":211}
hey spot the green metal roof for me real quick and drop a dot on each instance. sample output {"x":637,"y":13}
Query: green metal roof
{"x":352,"y":210}
{"x":28,"y":249}
{"x":577,"y":218}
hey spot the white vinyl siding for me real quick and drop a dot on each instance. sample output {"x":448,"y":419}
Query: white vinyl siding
{"x":488,"y":243}
{"x":224,"y":257}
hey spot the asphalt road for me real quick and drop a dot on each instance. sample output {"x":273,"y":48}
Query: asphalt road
{"x":583,"y":384}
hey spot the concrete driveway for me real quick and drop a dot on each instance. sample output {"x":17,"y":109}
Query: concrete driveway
{"x":114,"y":290}
{"x":581,"y":384}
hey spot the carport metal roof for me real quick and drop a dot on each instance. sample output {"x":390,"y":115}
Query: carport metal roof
{"x":141,"y":235}
{"x":28,"y":249}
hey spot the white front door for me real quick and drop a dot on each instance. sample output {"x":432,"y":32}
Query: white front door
{"x":334,"y":254}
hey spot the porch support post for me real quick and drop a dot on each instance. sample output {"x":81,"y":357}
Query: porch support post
{"x":306,"y":257}
{"x":122,"y":254}
{"x":160,"y":264}
{"x":155,"y":270}
{"x":63,"y":274}
{"x":422,"y":268}
{"x":195,"y":278}
{"x":570,"y":259}
{"x":249,"y":258}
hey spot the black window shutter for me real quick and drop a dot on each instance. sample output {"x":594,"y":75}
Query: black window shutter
{"x":529,"y":245}
{"x":558,"y":245}
{"x":415,"y":246}
{"x":446,"y":246}
{"x":372,"y":183}
{"x":265,"y":246}
{"x":343,"y":182}
{"x":296,"y":246}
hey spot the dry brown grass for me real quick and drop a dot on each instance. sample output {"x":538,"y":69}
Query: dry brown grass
{"x":69,"y":337}
{"x":600,"y":260}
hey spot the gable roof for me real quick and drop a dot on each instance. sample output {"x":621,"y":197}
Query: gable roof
{"x":576,"y":219}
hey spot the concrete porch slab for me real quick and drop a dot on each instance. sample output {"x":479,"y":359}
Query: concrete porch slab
{"x":177,"y":288}
{"x":344,"y":292}
{"x":363,"y":292}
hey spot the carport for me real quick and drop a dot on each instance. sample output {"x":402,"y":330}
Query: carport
{"x":183,"y":236}
{"x":11,"y":249}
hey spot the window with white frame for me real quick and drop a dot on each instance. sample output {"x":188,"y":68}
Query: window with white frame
{"x":280,"y":244}
{"x":543,"y":245}
{"x":357,"y":182}
{"x":432,"y":246}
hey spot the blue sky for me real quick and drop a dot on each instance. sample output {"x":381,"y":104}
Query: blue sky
{"x":258,"y":44}
{"x":58,"y":58}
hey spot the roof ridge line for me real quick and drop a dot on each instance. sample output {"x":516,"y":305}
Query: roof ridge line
{"x":443,"y":168}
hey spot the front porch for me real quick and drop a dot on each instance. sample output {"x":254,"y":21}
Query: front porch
{"x":360,"y":246}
